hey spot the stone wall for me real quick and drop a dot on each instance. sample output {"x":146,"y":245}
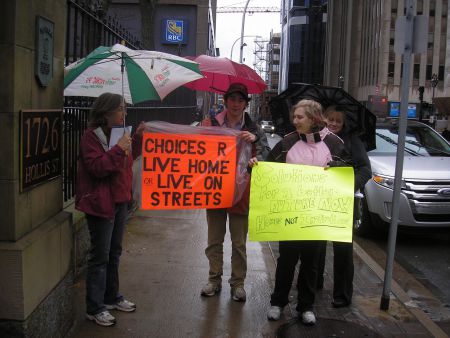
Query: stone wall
{"x":36,"y":235}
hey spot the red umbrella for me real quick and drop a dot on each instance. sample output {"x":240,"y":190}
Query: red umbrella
{"x":221,"y":72}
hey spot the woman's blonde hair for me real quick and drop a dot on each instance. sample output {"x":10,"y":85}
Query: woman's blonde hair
{"x":313,"y":110}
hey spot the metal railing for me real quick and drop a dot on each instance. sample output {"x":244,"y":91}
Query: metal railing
{"x":87,"y":28}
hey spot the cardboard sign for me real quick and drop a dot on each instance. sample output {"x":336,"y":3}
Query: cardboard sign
{"x":187,"y":171}
{"x":298,"y":202}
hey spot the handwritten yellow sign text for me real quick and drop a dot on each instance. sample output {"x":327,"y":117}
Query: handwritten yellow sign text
{"x":298,"y":202}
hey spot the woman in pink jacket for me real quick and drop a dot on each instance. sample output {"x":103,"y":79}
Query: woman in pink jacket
{"x":311,"y":144}
{"x":103,"y":192}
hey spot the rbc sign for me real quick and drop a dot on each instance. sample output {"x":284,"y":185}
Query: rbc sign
{"x":174,"y":31}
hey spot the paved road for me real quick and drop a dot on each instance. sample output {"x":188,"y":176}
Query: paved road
{"x":273,"y":139}
{"x":425,"y":253}
{"x":422,"y":268}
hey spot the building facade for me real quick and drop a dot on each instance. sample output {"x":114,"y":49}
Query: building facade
{"x":303,"y":35}
{"x":39,"y":244}
{"x":179,"y":27}
{"x":273,"y":62}
{"x":272,"y":74}
{"x":360,"y":53}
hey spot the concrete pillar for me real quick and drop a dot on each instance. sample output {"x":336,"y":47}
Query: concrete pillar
{"x":36,"y":238}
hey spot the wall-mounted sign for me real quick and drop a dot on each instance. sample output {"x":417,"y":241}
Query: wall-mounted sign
{"x":43,"y":67}
{"x":40,"y":146}
{"x":174,"y":31}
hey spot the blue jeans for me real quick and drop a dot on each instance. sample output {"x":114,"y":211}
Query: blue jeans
{"x":102,"y":279}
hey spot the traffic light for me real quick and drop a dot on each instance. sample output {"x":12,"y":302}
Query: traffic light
{"x":421,"y":90}
{"x":378,"y":105}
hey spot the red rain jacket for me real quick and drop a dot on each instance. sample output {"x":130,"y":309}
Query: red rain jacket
{"x":104,"y":177}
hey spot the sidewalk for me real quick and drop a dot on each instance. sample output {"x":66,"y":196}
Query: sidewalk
{"x":164,"y":266}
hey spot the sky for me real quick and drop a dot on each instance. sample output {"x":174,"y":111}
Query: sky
{"x":228,"y":28}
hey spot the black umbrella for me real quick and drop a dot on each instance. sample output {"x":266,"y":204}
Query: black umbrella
{"x":358,"y":118}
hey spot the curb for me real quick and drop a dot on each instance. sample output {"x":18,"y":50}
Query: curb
{"x":401,"y":295}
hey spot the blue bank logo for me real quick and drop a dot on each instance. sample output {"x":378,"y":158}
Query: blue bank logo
{"x":174,"y":31}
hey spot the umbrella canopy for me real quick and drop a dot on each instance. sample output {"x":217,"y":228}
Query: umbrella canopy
{"x":138,"y":75}
{"x":358,"y":118}
{"x":221,"y":72}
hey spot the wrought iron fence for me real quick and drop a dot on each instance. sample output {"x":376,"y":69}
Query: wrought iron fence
{"x":75,"y":119}
{"x":87,"y":28}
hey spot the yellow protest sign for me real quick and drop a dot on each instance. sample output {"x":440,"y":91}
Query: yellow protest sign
{"x":299,"y":202}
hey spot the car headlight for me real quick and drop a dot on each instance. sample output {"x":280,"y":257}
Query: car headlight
{"x":386,"y":181}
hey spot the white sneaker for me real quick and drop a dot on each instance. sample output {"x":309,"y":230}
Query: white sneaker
{"x":210,"y":289}
{"x":274,"y":313}
{"x":123,"y":305}
{"x":103,"y":318}
{"x":308,"y":318}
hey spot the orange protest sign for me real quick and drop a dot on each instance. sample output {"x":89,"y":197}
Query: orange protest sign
{"x":187,"y":171}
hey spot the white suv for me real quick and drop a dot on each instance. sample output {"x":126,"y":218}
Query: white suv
{"x":425,"y":195}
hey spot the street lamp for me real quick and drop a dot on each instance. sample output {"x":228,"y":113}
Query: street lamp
{"x":434,"y":82}
{"x":243,"y":44}
{"x":242,"y":30}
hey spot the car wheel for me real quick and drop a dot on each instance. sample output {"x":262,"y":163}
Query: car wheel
{"x":362,"y":225}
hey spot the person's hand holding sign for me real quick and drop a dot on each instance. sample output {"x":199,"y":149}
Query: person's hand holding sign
{"x":125,"y":142}
{"x":247,"y":136}
{"x":252,"y":162}
{"x":140,"y":129}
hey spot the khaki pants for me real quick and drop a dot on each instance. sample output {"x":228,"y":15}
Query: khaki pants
{"x":238,"y":225}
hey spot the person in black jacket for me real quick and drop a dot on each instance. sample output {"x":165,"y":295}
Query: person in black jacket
{"x":343,"y":268}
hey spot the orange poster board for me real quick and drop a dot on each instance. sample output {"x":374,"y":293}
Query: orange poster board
{"x":187,"y":171}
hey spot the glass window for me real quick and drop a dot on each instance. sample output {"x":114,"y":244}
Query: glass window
{"x":419,"y":141}
{"x":419,"y":7}
{"x":300,"y":3}
{"x":429,"y":72}
{"x":441,"y":73}
{"x":416,"y":71}
{"x":391,"y":67}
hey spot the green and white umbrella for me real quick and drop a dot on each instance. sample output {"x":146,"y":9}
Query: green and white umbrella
{"x":137,"y":75}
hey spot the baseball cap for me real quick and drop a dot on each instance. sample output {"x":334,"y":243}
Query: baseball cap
{"x":237,"y":88}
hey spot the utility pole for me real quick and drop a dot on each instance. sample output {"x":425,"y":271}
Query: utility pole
{"x":410,"y":37}
{"x":242,"y":31}
{"x":434,"y":82}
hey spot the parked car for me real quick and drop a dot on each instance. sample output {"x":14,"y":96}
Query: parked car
{"x":268,"y":126}
{"x":425,"y":189}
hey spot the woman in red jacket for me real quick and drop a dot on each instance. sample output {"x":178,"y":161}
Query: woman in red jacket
{"x":103,"y":193}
